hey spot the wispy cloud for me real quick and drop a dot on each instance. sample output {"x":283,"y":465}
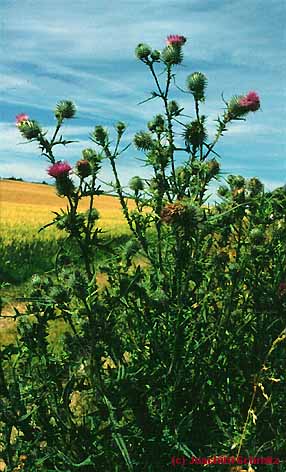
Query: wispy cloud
{"x":85,"y":52}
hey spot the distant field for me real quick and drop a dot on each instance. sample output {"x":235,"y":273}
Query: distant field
{"x":25,"y":207}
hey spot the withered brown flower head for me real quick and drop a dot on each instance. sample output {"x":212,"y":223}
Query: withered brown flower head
{"x":172,"y":212}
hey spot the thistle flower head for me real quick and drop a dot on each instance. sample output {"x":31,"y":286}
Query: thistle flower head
{"x":174,"y":108}
{"x":254,"y":186}
{"x":195,"y":132}
{"x":120,"y":127}
{"x":213,"y":167}
{"x":83,"y":168}
{"x":65,"y":109}
{"x":21,"y":118}
{"x":143,"y":141}
{"x":196,"y":84}
{"x":182,"y":213}
{"x":157,"y":124}
{"x":30,"y":129}
{"x":100,"y":135}
{"x":59,"y":169}
{"x":251,"y":101}
{"x":175,"y":40}
{"x":155,"y":55}
{"x":172,"y":213}
{"x":142,"y":51}
{"x":136,"y":184}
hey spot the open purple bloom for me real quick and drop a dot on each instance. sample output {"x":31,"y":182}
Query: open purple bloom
{"x":251,"y":101}
{"x":59,"y":169}
{"x":175,"y":40}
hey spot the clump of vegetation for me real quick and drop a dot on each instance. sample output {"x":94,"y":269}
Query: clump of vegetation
{"x":179,"y":355}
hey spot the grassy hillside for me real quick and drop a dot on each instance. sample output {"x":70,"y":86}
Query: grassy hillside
{"x":24,"y":209}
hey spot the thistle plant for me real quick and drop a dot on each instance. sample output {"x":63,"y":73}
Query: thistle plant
{"x":179,"y":353}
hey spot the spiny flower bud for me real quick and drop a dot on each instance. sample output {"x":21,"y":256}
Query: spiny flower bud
{"x":83,"y":168}
{"x":65,"y":110}
{"x":174,"y":108}
{"x":196,"y":84}
{"x":136,"y":184}
{"x":20,"y":118}
{"x":235,"y":109}
{"x":142,"y":51}
{"x":143,"y":141}
{"x":195,"y":133}
{"x":155,"y":55}
{"x":213,"y":167}
{"x":172,"y":55}
{"x":159,"y":157}
{"x":236,"y":181}
{"x":90,"y":155}
{"x":30,"y":129}
{"x":120,"y":127}
{"x":254,"y":186}
{"x":100,"y":135}
{"x":157,"y":124}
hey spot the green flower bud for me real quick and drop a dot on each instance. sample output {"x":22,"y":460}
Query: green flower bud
{"x":196,"y":84}
{"x":174,"y":108}
{"x":83,"y":168}
{"x":100,"y":135}
{"x":236,"y":181}
{"x":195,"y":133}
{"x":120,"y":127}
{"x":65,"y":109}
{"x":172,"y":55}
{"x":254,"y":186}
{"x":90,"y":155}
{"x":159,"y":157}
{"x":142,"y":51}
{"x":157,"y":124}
{"x":143,"y":141}
{"x":30,"y":129}
{"x":155,"y":55}
{"x":136,"y":184}
{"x":234,"y":108}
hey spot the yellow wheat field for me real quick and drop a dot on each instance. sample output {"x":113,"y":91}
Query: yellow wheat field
{"x":26,"y":207}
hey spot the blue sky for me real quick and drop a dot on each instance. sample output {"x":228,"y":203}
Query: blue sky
{"x":84,"y":50}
